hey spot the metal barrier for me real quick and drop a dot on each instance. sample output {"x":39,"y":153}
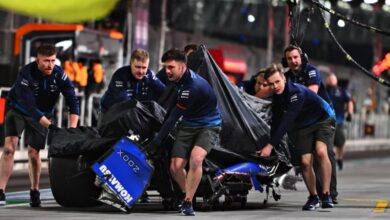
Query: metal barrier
{"x":60,"y":110}
{"x":358,"y":128}
{"x":90,"y":106}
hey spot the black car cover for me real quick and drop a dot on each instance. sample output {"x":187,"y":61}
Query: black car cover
{"x":244,"y":129}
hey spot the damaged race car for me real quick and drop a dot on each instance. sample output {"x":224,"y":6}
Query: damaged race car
{"x":90,"y":166}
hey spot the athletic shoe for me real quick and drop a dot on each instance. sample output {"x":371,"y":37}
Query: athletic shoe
{"x":35,"y":200}
{"x":2,"y":198}
{"x":327,"y":202}
{"x":312,"y":203}
{"x":187,"y":209}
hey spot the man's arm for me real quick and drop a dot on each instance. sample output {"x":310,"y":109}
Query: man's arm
{"x":74,"y":118}
{"x":295,"y":106}
{"x":314,"y":88}
{"x":45,"y":122}
{"x":24,"y":95}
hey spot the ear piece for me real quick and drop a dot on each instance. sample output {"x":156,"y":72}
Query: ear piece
{"x":304,"y":56}
{"x":284,"y":62}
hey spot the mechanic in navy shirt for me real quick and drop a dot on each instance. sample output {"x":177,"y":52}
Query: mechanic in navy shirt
{"x":134,"y":81}
{"x":198,"y":130}
{"x":300,"y":71}
{"x":341,"y":100}
{"x":31,"y":104}
{"x":309,"y":121}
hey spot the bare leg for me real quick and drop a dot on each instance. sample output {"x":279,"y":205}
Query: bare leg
{"x":308,"y":173}
{"x":34,"y":162}
{"x":178,"y":171}
{"x":7,"y":160}
{"x":195,"y":172}
{"x":325,"y":166}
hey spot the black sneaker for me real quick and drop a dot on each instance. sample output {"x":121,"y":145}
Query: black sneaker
{"x":35,"y":200}
{"x":2,"y":198}
{"x":187,"y":209}
{"x":335,"y":201}
{"x":327,"y":202}
{"x":312,"y":203}
{"x":340,"y":164}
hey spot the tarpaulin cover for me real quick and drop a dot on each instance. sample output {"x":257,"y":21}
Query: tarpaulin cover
{"x":121,"y":120}
{"x":132,"y":117}
{"x":77,"y":141}
{"x":244,"y":129}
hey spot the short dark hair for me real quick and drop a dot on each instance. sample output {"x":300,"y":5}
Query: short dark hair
{"x":291,"y":48}
{"x":46,"y":50}
{"x":189,"y":47}
{"x":274,"y":68}
{"x":174,"y":54}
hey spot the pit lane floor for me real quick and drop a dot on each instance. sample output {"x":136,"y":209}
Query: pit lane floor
{"x":364,"y":187}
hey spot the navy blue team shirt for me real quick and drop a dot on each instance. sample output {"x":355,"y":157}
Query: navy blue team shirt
{"x":196,"y":102}
{"x":310,"y":75}
{"x":35,"y":94}
{"x":339,"y":97}
{"x":123,"y":86}
{"x":296,"y":108}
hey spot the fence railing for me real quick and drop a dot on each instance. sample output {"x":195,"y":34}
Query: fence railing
{"x":372,"y":125}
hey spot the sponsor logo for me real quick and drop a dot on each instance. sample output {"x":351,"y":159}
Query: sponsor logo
{"x":115,"y":184}
{"x":118,"y":84}
{"x":312,"y":73}
{"x":185,"y":94}
{"x":129,"y":161}
{"x":294,"y":98}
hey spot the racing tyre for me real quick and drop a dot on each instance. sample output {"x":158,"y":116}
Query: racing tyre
{"x":72,"y":183}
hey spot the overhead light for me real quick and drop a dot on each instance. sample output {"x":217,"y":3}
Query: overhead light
{"x":347,"y":0}
{"x":341,"y":23}
{"x":251,"y":18}
{"x":344,"y":5}
{"x":366,"y":7}
{"x":370,"y":1}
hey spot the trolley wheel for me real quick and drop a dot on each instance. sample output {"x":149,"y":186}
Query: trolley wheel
{"x":227,"y":203}
{"x":244,"y":201}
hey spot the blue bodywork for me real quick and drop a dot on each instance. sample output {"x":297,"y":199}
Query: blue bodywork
{"x":246,"y":168}
{"x":125,"y":171}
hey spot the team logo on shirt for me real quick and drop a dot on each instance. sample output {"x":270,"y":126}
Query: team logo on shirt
{"x":24,"y":82}
{"x":185,"y":94}
{"x":293,"y":98}
{"x":312,"y":73}
{"x":118,"y":84}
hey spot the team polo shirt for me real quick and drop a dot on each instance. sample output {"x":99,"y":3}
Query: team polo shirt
{"x":123,"y":86}
{"x":339,"y":98}
{"x":296,"y":108}
{"x":35,"y":94}
{"x":309,"y":75}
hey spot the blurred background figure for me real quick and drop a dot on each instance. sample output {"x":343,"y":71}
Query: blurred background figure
{"x":257,"y":86}
{"x":342,"y":104}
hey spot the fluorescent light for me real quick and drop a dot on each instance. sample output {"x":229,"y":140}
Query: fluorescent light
{"x":370,"y":1}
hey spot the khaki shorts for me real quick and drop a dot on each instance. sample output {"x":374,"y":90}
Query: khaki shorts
{"x":339,"y":136}
{"x":304,"y":139}
{"x":187,"y":138}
